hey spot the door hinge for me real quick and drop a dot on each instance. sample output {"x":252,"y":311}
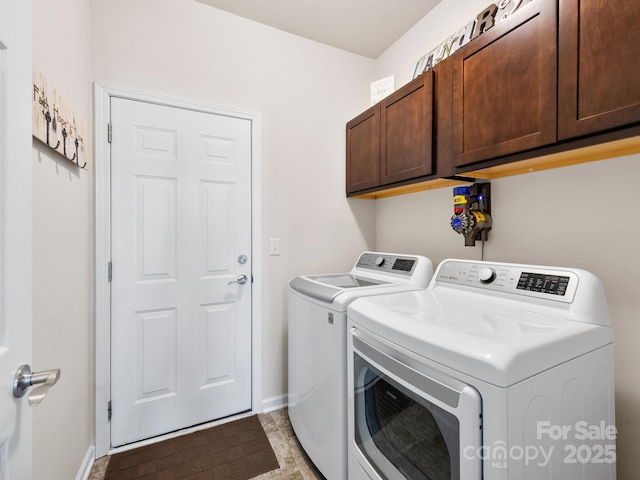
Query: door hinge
{"x":109,"y":411}
{"x":110,"y":271}
{"x":109,"y":133}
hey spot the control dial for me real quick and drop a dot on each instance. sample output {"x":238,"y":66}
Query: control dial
{"x":486,"y":275}
{"x":379,"y":261}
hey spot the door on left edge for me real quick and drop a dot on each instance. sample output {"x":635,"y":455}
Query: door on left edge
{"x":15,"y":234}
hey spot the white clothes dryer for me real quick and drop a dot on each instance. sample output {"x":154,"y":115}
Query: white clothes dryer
{"x":318,"y":348}
{"x":495,"y":371}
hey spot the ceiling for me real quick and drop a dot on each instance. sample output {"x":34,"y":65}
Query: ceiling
{"x":365,"y":27}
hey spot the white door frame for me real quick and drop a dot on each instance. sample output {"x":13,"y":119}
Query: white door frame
{"x":102,"y":96}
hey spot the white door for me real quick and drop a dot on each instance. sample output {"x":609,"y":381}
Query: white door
{"x":181,"y":244}
{"x":15,"y":234}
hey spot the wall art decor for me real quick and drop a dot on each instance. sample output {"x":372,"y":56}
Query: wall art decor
{"x":55,"y":124}
{"x":382,"y":88}
{"x":494,"y":14}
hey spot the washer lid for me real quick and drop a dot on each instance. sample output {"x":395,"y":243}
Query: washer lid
{"x":327,"y":287}
{"x":499,"y":341}
{"x":374,"y":272}
{"x":345,"y":280}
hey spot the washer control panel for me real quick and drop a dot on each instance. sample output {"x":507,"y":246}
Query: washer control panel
{"x":403,"y":265}
{"x":533,"y":281}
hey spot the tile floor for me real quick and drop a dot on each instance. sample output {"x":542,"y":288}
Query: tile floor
{"x":294,"y":463}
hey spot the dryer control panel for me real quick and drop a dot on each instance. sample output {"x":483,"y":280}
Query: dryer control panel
{"x":533,"y":281}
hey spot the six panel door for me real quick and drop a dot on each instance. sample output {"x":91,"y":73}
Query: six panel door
{"x":181,"y":218}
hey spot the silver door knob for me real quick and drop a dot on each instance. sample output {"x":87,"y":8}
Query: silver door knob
{"x":242,"y":279}
{"x":24,"y":379}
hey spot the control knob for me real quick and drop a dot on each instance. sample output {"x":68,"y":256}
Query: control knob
{"x":486,"y":275}
{"x":379,"y":261}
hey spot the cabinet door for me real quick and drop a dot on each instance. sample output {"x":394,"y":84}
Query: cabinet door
{"x":504,"y":86}
{"x":363,"y":151}
{"x":599,"y":66}
{"x":443,"y":118}
{"x":407,"y":131}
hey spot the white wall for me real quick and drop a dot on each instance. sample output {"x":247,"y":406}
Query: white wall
{"x":62,"y":251}
{"x":305,"y":93}
{"x":581,"y":216}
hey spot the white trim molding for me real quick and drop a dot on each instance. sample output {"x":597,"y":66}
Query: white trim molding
{"x":103,"y":92}
{"x":274,"y":403}
{"x":87,"y":463}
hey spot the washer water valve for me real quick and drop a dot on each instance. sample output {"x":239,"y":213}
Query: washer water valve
{"x":472,"y":212}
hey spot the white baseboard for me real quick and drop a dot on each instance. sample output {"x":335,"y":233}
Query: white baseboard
{"x":87,"y":463}
{"x":274,"y":403}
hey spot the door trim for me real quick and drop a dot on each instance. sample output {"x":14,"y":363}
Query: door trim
{"x":102,"y":96}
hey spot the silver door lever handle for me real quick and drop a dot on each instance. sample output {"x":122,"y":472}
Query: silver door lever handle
{"x":242,"y":279}
{"x":24,"y":379}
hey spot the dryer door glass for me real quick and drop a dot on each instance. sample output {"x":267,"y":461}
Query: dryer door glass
{"x":399,"y":431}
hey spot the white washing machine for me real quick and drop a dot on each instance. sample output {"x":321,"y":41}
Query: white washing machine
{"x":318,"y":348}
{"x":495,"y":372}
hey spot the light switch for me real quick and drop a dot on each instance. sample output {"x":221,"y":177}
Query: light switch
{"x":274,"y":247}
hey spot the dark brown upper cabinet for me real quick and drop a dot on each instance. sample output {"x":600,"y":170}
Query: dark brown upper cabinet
{"x":392,"y":142}
{"x":599,"y":68}
{"x":363,"y":151}
{"x":504,"y":87}
{"x":406,"y":123}
{"x":556,"y":83}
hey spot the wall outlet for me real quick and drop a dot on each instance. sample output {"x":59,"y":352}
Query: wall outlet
{"x":274,"y":247}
